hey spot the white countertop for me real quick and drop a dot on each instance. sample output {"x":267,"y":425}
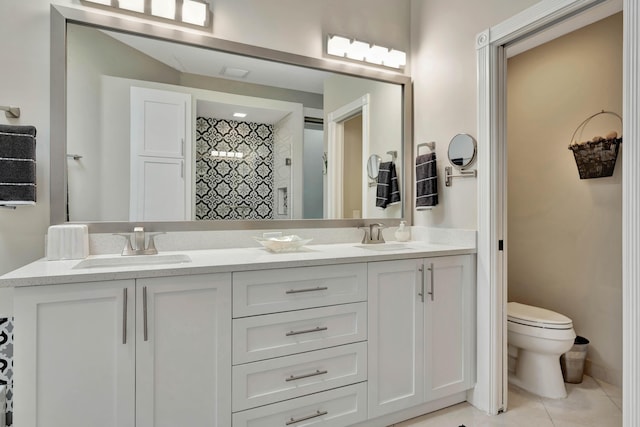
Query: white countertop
{"x":43,"y":272}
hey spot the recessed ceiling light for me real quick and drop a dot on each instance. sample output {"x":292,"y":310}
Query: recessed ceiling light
{"x":237,"y":73}
{"x":240,"y":115}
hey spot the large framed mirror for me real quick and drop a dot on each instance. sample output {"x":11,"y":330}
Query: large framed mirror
{"x":177,"y":130}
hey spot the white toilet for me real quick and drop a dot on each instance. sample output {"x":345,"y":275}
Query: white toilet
{"x":537,"y":338}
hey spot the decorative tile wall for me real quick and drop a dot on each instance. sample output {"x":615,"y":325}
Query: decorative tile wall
{"x":6,"y":363}
{"x":234,"y":188}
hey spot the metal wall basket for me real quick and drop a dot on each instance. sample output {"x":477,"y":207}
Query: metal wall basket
{"x":595,"y":159}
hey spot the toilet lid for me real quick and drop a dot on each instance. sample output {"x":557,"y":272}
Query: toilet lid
{"x":536,"y":316}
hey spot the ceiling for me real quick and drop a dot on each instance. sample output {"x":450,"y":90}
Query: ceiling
{"x":207,"y":62}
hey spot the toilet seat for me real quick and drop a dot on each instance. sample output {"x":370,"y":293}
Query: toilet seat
{"x":536,"y":317}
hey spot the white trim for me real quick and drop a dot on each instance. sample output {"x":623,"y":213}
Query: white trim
{"x":335,"y":167}
{"x":491,"y":382}
{"x":631,"y":216}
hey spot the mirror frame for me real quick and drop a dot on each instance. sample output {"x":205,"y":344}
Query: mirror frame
{"x":62,"y":15}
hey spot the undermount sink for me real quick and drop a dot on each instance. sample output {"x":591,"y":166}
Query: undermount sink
{"x":132,"y":261}
{"x":384,"y":246}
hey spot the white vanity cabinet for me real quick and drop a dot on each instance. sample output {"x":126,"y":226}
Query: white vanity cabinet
{"x":75,"y":355}
{"x":421,"y":331}
{"x":183,"y":342}
{"x":299,"y":346}
{"x":150,"y":352}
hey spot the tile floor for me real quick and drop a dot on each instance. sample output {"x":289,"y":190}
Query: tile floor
{"x":592,"y":403}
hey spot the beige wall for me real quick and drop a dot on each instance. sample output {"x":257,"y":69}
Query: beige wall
{"x":24,"y":81}
{"x":565,"y":234}
{"x":443,"y":50}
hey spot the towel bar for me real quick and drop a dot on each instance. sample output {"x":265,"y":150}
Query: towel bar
{"x":8,"y":207}
{"x":431,"y":145}
{"x":10,"y":112}
{"x":74,"y":156}
{"x":448,"y":175}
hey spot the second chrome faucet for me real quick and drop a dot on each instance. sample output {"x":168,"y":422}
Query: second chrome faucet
{"x":373,"y":234}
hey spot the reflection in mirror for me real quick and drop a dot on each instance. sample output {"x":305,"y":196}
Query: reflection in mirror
{"x":373,"y":165}
{"x":462,"y":150}
{"x":102,"y":175}
{"x":171,"y":132}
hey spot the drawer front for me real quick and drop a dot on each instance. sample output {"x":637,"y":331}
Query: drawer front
{"x":261,"y":383}
{"x":274,"y":335}
{"x":339,"y":407}
{"x":273,"y":291}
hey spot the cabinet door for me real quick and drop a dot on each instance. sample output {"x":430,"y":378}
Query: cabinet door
{"x":395,"y":336}
{"x":448,"y":325}
{"x":159,"y":192}
{"x":183,"y":351}
{"x":75,"y":355}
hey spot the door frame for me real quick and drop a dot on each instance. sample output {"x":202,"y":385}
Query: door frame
{"x":490,"y":391}
{"x":335,"y":146}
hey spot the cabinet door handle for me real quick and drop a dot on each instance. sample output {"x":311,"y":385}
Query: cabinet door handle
{"x":308,"y":417}
{"x":298,"y":291}
{"x":421,"y":293}
{"x":306,"y":331}
{"x":145,"y":330}
{"x":124,"y":316}
{"x":432,"y":284}
{"x":299,"y":377}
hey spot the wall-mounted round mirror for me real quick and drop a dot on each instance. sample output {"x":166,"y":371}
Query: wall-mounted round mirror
{"x":462,"y":150}
{"x":373,"y":165}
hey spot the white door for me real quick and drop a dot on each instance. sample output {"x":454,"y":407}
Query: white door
{"x":161,"y":194}
{"x":396,"y":370}
{"x":75,"y":355}
{"x":160,"y":135}
{"x":448,"y":325}
{"x":183,"y":352}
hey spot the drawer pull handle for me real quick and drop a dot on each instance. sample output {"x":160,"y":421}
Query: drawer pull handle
{"x":299,"y":291}
{"x":307,"y":331}
{"x":299,"y":377}
{"x":308,"y":417}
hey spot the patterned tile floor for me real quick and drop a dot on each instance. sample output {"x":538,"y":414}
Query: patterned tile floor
{"x":590,"y":404}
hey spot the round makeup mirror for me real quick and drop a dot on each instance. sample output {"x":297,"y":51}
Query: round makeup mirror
{"x":462,"y":150}
{"x":373,"y":165}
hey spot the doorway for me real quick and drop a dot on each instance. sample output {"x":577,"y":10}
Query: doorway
{"x":564,"y":246}
{"x":489,"y":392}
{"x":348,"y":137}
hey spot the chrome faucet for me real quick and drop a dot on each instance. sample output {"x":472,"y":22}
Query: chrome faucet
{"x":373,"y":234}
{"x":138,"y":246}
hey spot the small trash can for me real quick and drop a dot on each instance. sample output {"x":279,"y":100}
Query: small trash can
{"x":572,"y":362}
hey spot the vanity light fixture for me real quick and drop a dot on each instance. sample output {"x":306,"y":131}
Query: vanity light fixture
{"x":240,"y":115}
{"x":226,"y":154}
{"x":192,"y":12}
{"x":363,"y":51}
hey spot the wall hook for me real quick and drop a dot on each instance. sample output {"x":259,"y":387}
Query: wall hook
{"x":10,"y":112}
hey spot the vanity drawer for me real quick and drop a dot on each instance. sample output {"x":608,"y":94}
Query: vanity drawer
{"x":268,"y":381}
{"x":272,"y":291}
{"x":339,"y":407}
{"x":274,"y":335}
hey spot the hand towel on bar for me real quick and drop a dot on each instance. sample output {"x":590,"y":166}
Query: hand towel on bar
{"x":426,"y":181}
{"x":17,"y":165}
{"x":388,"y":191}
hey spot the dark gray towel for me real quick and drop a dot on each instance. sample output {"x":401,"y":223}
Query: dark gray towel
{"x":17,"y":164}
{"x":388,"y":191}
{"x":426,"y":181}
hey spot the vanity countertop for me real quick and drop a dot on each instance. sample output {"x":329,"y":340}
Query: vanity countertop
{"x":43,"y":272}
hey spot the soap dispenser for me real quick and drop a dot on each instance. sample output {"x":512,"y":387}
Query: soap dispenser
{"x":402,"y":234}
